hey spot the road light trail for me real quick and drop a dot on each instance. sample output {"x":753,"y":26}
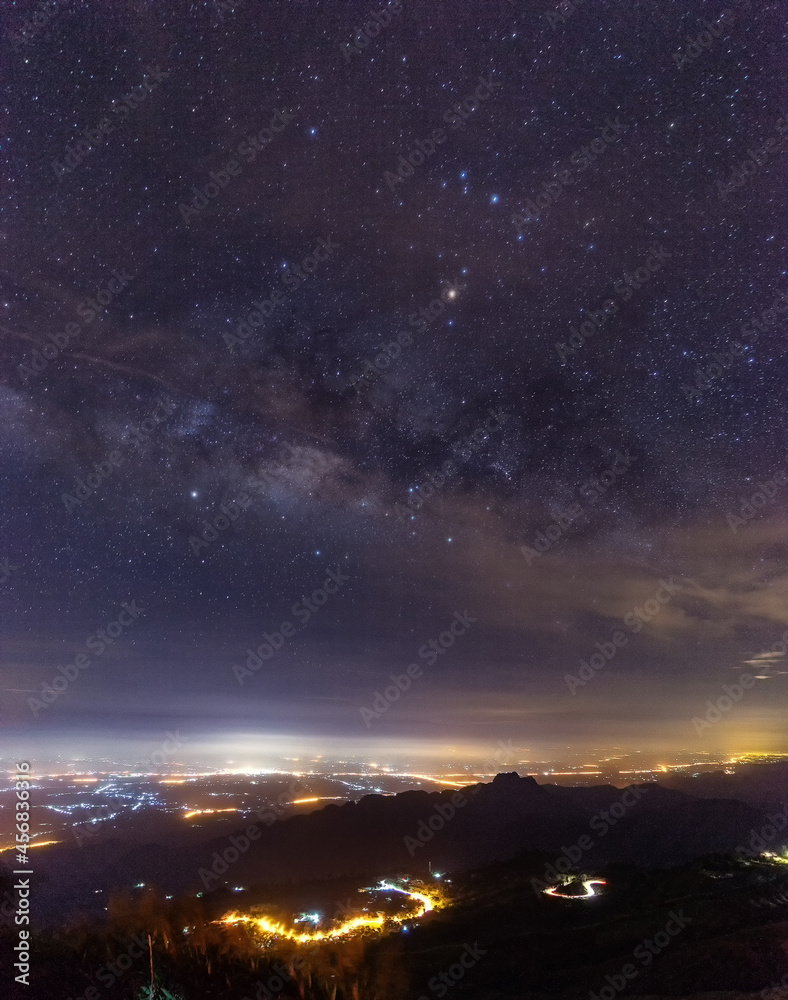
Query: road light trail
{"x":425,"y":900}
{"x":587,"y":885}
{"x":378,"y":921}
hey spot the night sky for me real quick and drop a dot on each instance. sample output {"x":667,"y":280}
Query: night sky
{"x":211,"y":234}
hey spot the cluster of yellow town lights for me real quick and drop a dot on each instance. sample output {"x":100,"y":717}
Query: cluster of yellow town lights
{"x":424,"y":903}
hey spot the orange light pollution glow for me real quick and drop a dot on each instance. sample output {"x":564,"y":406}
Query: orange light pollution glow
{"x":273,"y":928}
{"x":33,"y":843}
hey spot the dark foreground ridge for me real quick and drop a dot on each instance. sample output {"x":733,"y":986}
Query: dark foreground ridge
{"x":645,"y":825}
{"x":540,"y":892}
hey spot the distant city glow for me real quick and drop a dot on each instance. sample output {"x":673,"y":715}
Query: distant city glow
{"x":86,"y":803}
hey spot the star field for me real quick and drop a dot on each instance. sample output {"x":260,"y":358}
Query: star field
{"x":326,"y":303}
